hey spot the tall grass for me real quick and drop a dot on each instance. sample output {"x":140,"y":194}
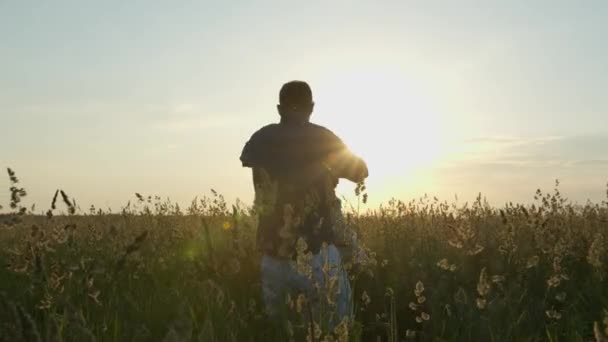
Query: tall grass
{"x":436,"y":272}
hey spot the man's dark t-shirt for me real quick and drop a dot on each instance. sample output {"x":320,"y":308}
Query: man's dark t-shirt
{"x":296,"y":168}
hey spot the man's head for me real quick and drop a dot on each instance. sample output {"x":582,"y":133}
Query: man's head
{"x":295,"y":101}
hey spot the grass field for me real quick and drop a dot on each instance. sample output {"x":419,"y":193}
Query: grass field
{"x":437,"y":272}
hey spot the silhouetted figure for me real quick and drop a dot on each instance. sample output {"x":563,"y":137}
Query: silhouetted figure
{"x":296,"y":167}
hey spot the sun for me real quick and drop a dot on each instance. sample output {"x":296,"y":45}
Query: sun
{"x":383,"y":117}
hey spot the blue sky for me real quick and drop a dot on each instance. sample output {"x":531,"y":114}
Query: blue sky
{"x":104,"y":99}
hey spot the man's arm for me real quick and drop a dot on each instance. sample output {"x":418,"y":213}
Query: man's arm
{"x":249,"y":157}
{"x":344,"y":164}
{"x":254,"y":151}
{"x":259,"y":177}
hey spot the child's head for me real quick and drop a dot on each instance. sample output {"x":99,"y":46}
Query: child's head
{"x":295,"y":101}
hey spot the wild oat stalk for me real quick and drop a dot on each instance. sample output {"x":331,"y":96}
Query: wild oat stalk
{"x":66,"y":200}
{"x":16,"y":193}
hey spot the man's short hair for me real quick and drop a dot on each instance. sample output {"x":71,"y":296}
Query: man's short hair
{"x":295,"y":93}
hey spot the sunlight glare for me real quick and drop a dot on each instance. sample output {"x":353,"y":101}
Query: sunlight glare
{"x":383,"y":117}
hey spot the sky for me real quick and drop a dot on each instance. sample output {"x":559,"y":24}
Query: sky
{"x":104,"y":99}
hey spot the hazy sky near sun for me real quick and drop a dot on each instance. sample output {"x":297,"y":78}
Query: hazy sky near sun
{"x":104,"y":99}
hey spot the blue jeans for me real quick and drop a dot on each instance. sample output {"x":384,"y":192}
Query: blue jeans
{"x":280,"y":278}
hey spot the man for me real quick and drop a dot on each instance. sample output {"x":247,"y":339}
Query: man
{"x":296,"y":167}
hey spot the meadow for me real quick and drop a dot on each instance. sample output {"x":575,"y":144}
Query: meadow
{"x":436,"y":271}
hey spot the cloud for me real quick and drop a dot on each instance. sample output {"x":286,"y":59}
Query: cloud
{"x":197,"y":123}
{"x":511,"y":168}
{"x":592,"y":162}
{"x":511,"y":140}
{"x":183,"y":108}
{"x":543,"y":151}
{"x":188,"y":116}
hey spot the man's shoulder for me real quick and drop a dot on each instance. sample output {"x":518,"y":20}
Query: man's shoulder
{"x":253,"y":151}
{"x":324,"y":132}
{"x":319,"y":127}
{"x":267,"y":130}
{"x":275,"y":131}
